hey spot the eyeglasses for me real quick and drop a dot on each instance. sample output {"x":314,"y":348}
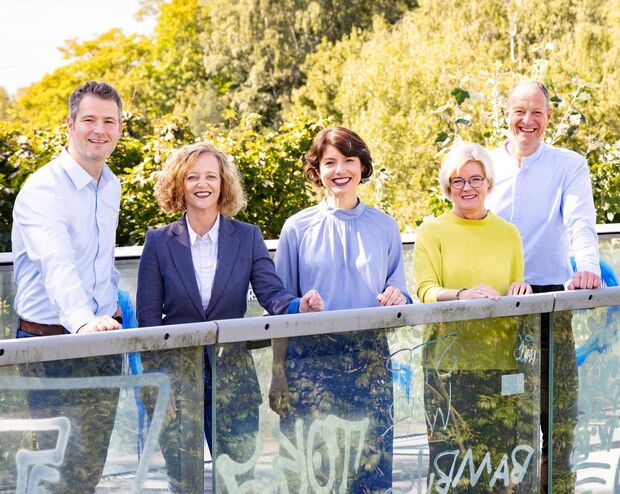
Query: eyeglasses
{"x":457,"y":183}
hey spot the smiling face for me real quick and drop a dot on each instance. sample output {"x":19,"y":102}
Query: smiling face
{"x":528,"y":116}
{"x":340,"y":175}
{"x":94,"y":131}
{"x":468,"y":202}
{"x":202,"y":185}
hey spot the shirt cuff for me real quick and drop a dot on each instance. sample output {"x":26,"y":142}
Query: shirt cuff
{"x":77,"y":319}
{"x":294,"y":307}
{"x":592,"y":268}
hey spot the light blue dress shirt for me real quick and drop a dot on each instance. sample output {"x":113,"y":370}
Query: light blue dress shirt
{"x":549,"y":200}
{"x":64,"y":232}
{"x":348,"y":255}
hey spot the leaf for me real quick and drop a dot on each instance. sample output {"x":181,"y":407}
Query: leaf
{"x":460,"y":95}
{"x":441,"y":137}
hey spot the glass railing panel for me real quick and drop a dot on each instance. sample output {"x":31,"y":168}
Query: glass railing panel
{"x":8,"y":317}
{"x":450,"y":407}
{"x":609,"y":249}
{"x":70,"y":425}
{"x":586,"y":401}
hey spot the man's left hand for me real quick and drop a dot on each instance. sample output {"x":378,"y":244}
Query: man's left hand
{"x":584,"y":279}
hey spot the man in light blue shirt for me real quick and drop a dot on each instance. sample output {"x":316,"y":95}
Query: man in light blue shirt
{"x":64,"y":232}
{"x":547,"y":194}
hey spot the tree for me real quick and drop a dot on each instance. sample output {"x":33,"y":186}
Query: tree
{"x":401,"y":86}
{"x":254,"y":50}
{"x":5,"y":103}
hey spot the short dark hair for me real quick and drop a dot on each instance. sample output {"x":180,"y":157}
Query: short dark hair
{"x":101,"y":90}
{"x":344,"y":140}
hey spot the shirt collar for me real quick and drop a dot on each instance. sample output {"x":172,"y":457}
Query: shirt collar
{"x":532,"y":158}
{"x":212,"y":234}
{"x":78,"y":175}
{"x":343,"y":214}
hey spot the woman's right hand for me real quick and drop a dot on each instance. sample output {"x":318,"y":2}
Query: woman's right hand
{"x":279,"y":396}
{"x":311,"y":302}
{"x":519,"y":288}
{"x":480,"y":291}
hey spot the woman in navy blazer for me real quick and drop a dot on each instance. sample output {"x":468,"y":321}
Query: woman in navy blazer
{"x":198,"y":269}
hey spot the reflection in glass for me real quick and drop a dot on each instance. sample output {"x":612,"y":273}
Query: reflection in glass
{"x":470,"y":388}
{"x":43,"y":447}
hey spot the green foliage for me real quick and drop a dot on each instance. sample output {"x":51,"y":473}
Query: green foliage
{"x":5,"y":103}
{"x":123,"y":61}
{"x":571,"y":101}
{"x":271,"y":164}
{"x":254,"y":51}
{"x":605,"y":171}
{"x":409,"y":79}
{"x":137,"y":160}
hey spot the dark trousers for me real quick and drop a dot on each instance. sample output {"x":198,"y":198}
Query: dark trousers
{"x":565,"y":393}
{"x":91,"y":413}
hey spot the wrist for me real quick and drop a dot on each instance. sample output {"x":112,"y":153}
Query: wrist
{"x":459,"y":293}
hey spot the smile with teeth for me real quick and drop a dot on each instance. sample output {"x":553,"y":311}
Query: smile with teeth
{"x":341,"y":180}
{"x":202,"y":194}
{"x":528,"y":130}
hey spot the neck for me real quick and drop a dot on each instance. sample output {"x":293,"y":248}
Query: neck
{"x":201,"y":222}
{"x":342,"y":202}
{"x":93,"y":168}
{"x":470,"y":215}
{"x":520,"y":152}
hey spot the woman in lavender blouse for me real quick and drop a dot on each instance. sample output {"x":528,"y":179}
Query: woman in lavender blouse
{"x":352,"y":254}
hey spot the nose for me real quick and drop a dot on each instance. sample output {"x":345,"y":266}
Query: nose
{"x":527,"y":117}
{"x":467,"y":185}
{"x":340,"y":166}
{"x":99,"y":126}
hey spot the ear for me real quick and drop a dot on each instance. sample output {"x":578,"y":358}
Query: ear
{"x":69,"y":123}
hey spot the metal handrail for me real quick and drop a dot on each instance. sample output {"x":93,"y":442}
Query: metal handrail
{"x":261,"y":328}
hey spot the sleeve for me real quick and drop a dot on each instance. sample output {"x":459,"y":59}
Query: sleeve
{"x":427,"y":265}
{"x":518,"y":261}
{"x":287,"y":259}
{"x":396,"y":268}
{"x":267,"y":286}
{"x":150,"y":294}
{"x":579,"y":217}
{"x":39,"y":216}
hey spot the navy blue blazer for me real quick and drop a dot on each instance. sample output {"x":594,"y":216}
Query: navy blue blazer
{"x":167,"y":288}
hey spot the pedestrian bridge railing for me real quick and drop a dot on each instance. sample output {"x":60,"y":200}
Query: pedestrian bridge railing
{"x":438,"y":398}
{"x":458,"y":393}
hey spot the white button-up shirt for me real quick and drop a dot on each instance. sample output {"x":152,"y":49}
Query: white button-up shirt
{"x":64,"y":232}
{"x":549,"y":199}
{"x":204,"y":258}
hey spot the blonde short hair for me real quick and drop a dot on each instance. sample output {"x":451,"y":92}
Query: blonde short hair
{"x":459,"y":155}
{"x":169,"y":187}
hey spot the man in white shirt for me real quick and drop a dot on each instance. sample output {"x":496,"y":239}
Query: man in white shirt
{"x":63,"y":237}
{"x":547,"y":194}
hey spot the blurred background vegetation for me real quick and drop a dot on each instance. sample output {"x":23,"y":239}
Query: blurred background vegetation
{"x":261,"y":78}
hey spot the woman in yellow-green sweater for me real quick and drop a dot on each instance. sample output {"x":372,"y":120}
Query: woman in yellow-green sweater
{"x":468,"y":253}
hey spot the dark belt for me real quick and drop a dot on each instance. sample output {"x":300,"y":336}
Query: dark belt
{"x":41,"y":329}
{"x":49,"y":329}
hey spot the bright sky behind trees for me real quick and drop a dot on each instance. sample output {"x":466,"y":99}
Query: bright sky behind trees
{"x":32,"y":30}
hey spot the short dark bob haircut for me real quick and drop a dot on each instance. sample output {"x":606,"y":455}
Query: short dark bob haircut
{"x":344,"y":140}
